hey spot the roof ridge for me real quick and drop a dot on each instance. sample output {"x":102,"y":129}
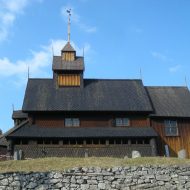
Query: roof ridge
{"x":113,"y":79}
{"x":40,"y":79}
{"x":165,"y":87}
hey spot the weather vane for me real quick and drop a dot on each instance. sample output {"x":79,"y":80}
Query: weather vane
{"x":69,"y":23}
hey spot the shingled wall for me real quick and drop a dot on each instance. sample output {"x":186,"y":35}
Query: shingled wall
{"x":125,"y":178}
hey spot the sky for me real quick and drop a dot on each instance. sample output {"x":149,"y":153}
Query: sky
{"x":123,"y":39}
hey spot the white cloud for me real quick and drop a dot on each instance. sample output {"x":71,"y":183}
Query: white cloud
{"x":161,"y":57}
{"x":175,"y":68}
{"x":38,"y":62}
{"x":76,"y":18}
{"x":9,"y":11}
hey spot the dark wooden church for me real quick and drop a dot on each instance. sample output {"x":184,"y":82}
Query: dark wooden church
{"x":69,"y":115}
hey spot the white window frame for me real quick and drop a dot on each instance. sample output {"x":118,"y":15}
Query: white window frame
{"x":72,"y":122}
{"x":171,"y":127}
{"x":121,"y":122}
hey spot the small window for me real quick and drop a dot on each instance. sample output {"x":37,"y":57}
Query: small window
{"x":122,"y":122}
{"x":72,"y":122}
{"x":75,"y":122}
{"x":171,"y":128}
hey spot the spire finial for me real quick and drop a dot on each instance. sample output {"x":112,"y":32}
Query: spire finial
{"x":69,"y":24}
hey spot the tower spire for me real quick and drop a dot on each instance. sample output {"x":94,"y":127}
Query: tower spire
{"x":69,"y":24}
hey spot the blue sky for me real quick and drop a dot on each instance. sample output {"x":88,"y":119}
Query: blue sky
{"x":119,"y":37}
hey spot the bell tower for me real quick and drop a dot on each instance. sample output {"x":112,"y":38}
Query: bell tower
{"x":68,"y":68}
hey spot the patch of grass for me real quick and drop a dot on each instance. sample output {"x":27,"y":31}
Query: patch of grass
{"x":59,"y":164}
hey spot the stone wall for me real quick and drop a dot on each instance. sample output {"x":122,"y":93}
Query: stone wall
{"x":125,"y":178}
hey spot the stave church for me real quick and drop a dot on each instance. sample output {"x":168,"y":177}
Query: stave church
{"x":72,"y":116}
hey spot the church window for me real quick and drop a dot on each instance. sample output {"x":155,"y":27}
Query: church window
{"x":171,"y":128}
{"x":122,"y":122}
{"x":72,"y":122}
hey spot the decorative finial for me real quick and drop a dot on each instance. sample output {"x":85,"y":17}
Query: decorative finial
{"x":69,"y":24}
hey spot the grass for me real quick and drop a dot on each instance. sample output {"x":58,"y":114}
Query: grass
{"x":59,"y":164}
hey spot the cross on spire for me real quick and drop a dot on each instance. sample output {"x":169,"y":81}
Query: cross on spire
{"x":69,"y":24}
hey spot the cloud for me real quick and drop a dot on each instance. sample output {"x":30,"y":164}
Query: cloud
{"x":9,"y":11}
{"x":76,"y":18}
{"x":175,"y":68}
{"x":161,"y":57}
{"x":38,"y":61}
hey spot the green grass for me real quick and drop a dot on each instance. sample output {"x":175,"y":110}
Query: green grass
{"x":59,"y":164}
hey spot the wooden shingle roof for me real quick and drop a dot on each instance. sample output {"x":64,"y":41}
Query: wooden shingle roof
{"x":170,"y":101}
{"x":28,"y":131}
{"x":68,"y":47}
{"x":96,"y":95}
{"x":18,"y":114}
{"x":59,"y":64}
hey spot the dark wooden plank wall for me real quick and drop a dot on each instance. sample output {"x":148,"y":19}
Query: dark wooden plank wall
{"x":95,"y":121}
{"x":182,"y":141}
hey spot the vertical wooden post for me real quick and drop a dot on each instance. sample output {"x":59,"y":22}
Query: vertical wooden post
{"x":10,"y":148}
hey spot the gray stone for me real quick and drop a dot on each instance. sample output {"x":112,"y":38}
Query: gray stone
{"x":15,"y":183}
{"x":80,"y":181}
{"x":110,"y":178}
{"x":42,"y":187}
{"x":13,"y":188}
{"x":187,"y":185}
{"x":161,"y":183}
{"x":58,"y":185}
{"x":31,"y":185}
{"x":102,"y":186}
{"x":115,"y":169}
{"x":92,"y":182}
{"x":126,"y":157}
{"x":163,"y":178}
{"x":4,"y":182}
{"x":64,"y":188}
{"x":84,"y":169}
{"x":58,"y":175}
{"x":136,"y":154}
{"x":187,"y":173}
{"x":93,"y":187}
{"x":3,"y":187}
{"x":65,"y":180}
{"x":54,"y":181}
{"x":84,"y":186}
{"x":2,"y":176}
{"x":182,"y":154}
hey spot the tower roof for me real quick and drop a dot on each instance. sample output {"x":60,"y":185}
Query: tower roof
{"x":68,"y":47}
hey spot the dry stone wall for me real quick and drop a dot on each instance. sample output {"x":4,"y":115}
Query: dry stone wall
{"x":124,"y":178}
